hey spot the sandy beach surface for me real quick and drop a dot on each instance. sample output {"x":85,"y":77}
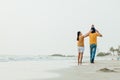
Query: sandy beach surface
{"x":30,"y":70}
{"x":101,"y":70}
{"x":60,"y":69}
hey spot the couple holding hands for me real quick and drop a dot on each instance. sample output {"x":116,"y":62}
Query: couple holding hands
{"x":93,"y":34}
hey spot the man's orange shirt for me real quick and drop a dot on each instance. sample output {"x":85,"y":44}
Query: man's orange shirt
{"x":81,"y":41}
{"x":93,"y":38}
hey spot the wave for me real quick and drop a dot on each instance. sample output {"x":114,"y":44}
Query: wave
{"x":7,"y":58}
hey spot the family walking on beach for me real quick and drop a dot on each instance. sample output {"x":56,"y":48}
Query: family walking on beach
{"x":93,"y":34}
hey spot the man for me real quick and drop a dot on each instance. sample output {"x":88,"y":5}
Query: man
{"x":93,"y":34}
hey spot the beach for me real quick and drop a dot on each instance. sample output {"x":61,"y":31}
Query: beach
{"x":101,"y":70}
{"x":28,"y":70}
{"x":57,"y":68}
{"x":31,"y":67}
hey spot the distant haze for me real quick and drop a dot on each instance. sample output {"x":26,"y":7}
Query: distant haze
{"x":50,"y":26}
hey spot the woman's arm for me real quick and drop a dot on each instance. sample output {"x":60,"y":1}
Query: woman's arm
{"x":87,"y":34}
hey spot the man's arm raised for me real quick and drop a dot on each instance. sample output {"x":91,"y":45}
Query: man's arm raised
{"x":99,"y":34}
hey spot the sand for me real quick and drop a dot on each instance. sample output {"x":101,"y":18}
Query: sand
{"x":26,"y":70}
{"x":60,"y":70}
{"x":30,"y":70}
{"x":100,"y":70}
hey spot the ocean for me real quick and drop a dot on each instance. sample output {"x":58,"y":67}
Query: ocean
{"x":8,"y":58}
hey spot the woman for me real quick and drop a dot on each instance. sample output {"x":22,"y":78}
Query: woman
{"x":80,"y":44}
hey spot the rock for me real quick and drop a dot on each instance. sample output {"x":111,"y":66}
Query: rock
{"x":106,"y":70}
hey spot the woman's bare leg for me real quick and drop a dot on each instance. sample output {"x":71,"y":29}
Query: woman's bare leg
{"x":78,"y":58}
{"x":81,"y":57}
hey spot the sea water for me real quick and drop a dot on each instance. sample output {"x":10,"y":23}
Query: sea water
{"x":8,"y":58}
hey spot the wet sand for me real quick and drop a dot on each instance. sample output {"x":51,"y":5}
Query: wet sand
{"x":100,"y":70}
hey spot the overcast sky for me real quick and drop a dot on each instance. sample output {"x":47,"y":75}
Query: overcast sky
{"x":50,"y":26}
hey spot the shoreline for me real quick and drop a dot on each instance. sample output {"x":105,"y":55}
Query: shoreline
{"x":88,"y":71}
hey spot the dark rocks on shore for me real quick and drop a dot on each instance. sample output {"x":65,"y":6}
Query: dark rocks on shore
{"x":60,"y":55}
{"x":106,"y":70}
{"x":103,"y":54}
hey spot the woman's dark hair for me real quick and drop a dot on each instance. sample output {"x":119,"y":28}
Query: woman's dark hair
{"x":78,"y":33}
{"x":93,"y":30}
